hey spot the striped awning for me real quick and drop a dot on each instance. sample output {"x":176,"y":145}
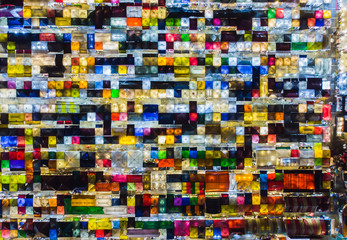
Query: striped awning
{"x":306,"y":204}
